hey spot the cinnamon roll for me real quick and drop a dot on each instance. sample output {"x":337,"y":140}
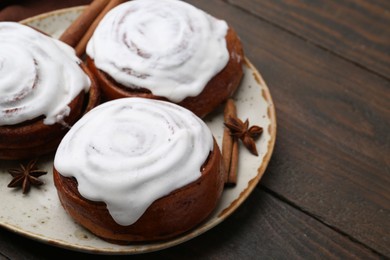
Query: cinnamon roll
{"x":136,"y":169}
{"x":167,"y":50}
{"x":44,"y":89}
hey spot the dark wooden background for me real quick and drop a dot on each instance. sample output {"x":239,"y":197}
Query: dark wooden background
{"x":326,"y":192}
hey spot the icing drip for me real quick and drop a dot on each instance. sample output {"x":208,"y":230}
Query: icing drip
{"x":39,"y":75}
{"x":130,"y":152}
{"x":167,"y":46}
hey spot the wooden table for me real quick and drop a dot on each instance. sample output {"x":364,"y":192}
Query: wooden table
{"x":326,"y":191}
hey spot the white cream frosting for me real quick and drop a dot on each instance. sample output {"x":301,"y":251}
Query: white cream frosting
{"x":39,"y":75}
{"x":132,"y":151}
{"x":167,"y":46}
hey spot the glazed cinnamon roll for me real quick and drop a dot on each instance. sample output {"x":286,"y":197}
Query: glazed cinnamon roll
{"x":166,"y":50}
{"x":151,"y":170}
{"x":43,"y":90}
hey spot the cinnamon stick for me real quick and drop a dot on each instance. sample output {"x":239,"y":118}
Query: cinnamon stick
{"x":73,"y":34}
{"x":80,"y":47}
{"x":230,"y":146}
{"x":232,"y":177}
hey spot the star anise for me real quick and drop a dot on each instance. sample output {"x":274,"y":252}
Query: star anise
{"x":242,"y":131}
{"x":26,"y":176}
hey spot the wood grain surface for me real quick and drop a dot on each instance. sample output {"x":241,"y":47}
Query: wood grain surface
{"x":326,"y":192}
{"x":358,"y":31}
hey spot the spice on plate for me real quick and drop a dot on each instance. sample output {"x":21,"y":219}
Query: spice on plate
{"x":25,"y":176}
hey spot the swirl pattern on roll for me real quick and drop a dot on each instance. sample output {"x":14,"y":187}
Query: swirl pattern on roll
{"x":132,"y":151}
{"x":39,"y":76}
{"x":168,"y":47}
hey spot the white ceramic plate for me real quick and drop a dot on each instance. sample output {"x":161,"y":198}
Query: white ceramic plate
{"x":40,"y":216}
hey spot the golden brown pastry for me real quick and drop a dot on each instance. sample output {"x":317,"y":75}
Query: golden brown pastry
{"x":137,"y":170}
{"x":44,"y":89}
{"x":166,"y":50}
